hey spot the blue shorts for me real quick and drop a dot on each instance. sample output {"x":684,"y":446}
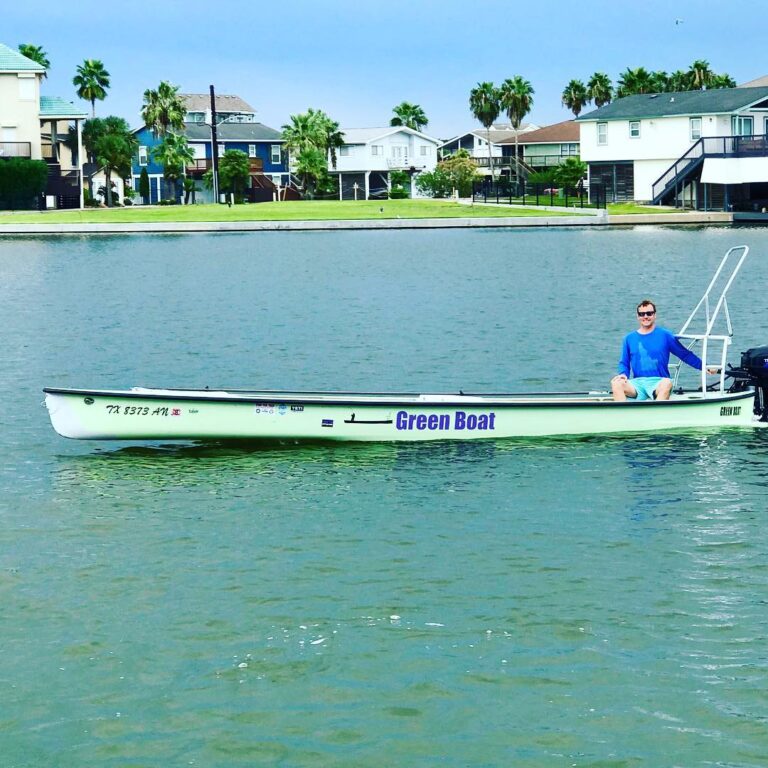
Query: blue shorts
{"x":645,"y":386}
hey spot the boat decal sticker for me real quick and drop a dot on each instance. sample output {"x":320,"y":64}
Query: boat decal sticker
{"x":730,"y":410}
{"x":265,"y":408}
{"x":175,"y":411}
{"x":461,"y":421}
{"x":327,"y":422}
{"x":142,"y":410}
{"x":354,"y":420}
{"x":297,"y":408}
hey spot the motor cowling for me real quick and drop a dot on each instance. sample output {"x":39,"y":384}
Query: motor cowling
{"x":754,"y":372}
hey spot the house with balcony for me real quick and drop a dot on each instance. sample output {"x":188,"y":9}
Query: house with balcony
{"x":546,"y":147}
{"x":369,"y":155}
{"x":39,"y":127}
{"x":236,"y":128}
{"x":476,"y":141}
{"x":700,"y":149}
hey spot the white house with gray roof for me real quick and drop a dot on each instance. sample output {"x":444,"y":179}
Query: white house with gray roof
{"x":704,"y":149}
{"x":37,"y":127}
{"x":369,"y":155}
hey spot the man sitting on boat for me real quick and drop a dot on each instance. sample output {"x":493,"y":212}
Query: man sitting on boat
{"x":644,"y":364}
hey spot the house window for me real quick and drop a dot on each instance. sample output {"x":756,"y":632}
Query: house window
{"x":423,"y":150}
{"x":221,"y":149}
{"x":602,"y":133}
{"x":344,"y":151}
{"x":143,"y":160}
{"x":742,"y":126}
{"x":274,"y":153}
{"x":566,"y":150}
{"x":27,"y":88}
{"x":634,"y":129}
{"x":695,"y":128}
{"x":251,"y":150}
{"x":377,"y":149}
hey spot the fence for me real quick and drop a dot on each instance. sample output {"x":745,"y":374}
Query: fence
{"x":507,"y":193}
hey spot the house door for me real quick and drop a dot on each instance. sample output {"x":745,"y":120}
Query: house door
{"x":400,"y":155}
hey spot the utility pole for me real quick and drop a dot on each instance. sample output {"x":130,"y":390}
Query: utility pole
{"x":214,"y":148}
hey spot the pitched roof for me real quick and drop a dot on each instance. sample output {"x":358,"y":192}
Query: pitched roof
{"x":757,"y":82}
{"x":499,"y":134}
{"x":199,"y":102}
{"x":232,"y":132}
{"x":364,"y":135}
{"x":717,"y":101}
{"x":53,"y":106}
{"x":567,"y":131}
{"x":12,"y":61}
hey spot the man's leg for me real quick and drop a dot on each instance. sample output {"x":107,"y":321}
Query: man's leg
{"x":621,"y":389}
{"x":663,"y":389}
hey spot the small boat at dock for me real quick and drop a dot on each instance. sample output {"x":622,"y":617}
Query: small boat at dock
{"x":739,"y":398}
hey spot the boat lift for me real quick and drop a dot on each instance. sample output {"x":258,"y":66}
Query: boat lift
{"x":710,"y":311}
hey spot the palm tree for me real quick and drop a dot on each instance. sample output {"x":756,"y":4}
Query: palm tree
{"x":410,"y":116}
{"x":36,"y":53}
{"x":634,"y":81}
{"x":516,"y":96}
{"x":309,"y":136}
{"x":600,"y":89}
{"x":575,"y":96}
{"x":92,"y":81}
{"x":701,"y":74}
{"x":485,"y":105}
{"x":660,"y":82}
{"x":174,"y":154}
{"x":679,"y":81}
{"x":722,"y":81}
{"x":163,"y":110}
{"x":113,"y":146}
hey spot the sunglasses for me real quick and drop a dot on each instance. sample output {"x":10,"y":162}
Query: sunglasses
{"x":649,"y":313}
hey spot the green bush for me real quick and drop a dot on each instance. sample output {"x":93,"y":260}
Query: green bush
{"x":398,"y":193}
{"x":22,"y":181}
{"x":169,"y":201}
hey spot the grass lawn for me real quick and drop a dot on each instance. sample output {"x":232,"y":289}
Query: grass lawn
{"x":622,"y":208}
{"x":302,"y":210}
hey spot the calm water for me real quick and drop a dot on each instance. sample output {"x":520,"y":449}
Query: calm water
{"x":597,"y":602}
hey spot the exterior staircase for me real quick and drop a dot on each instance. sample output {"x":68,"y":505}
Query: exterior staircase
{"x":687,"y":168}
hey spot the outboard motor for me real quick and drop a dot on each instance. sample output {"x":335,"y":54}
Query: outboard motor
{"x":753,"y":372}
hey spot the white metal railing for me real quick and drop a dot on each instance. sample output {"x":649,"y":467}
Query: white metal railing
{"x":728,"y":269}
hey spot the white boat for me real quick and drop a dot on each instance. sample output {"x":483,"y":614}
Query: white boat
{"x":186,"y":414}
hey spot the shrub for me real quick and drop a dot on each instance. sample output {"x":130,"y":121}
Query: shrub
{"x":22,"y":181}
{"x":398,"y":193}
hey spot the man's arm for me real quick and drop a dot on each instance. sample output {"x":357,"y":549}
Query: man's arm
{"x":624,"y":360}
{"x":686,"y":355}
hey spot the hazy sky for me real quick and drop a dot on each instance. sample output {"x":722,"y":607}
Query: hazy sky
{"x":356,"y":59}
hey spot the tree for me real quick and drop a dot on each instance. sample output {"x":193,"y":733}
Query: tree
{"x":114,"y":146}
{"x":722,"y":81}
{"x":600,"y":89}
{"x":174,"y":154}
{"x":679,"y":81}
{"x":36,"y":53}
{"x":634,"y":81}
{"x":701,"y":74}
{"x":485,"y":105}
{"x":21,"y":181}
{"x":163,"y":109}
{"x":575,"y":96}
{"x":312,"y":138}
{"x":659,"y":82}
{"x":234,"y":171}
{"x":454,"y":173}
{"x":144,"y":186}
{"x":92,"y":81}
{"x":516,"y":99}
{"x":410,"y":116}
{"x":570,"y":172}
{"x":190,"y":187}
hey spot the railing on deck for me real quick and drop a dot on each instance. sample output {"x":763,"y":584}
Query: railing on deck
{"x":504,"y":192}
{"x":712,"y":146}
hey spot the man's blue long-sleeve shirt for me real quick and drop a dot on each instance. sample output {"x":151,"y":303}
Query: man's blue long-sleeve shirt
{"x":647,"y":354}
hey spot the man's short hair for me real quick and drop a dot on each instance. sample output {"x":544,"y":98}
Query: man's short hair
{"x":646,"y":303}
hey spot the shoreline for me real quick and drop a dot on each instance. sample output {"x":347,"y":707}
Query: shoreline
{"x":599,"y":219}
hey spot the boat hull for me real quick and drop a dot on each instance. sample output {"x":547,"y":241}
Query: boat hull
{"x":146,"y":414}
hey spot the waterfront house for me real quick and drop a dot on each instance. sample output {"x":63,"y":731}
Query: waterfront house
{"x":546,"y":147}
{"x":236,"y":128}
{"x":700,"y":149}
{"x":476,"y":141}
{"x":369,"y":155}
{"x":39,"y":127}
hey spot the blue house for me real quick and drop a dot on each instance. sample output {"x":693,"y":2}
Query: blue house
{"x":236,"y":128}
